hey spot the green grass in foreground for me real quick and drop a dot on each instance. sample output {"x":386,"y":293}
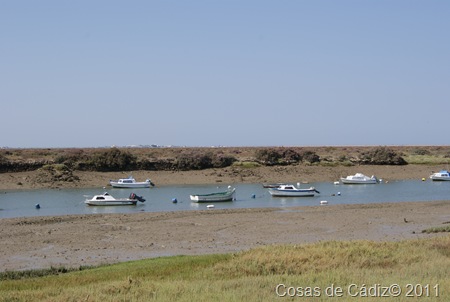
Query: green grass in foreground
{"x":418,"y":266}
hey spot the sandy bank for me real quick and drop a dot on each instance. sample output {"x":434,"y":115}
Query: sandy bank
{"x":299,"y":173}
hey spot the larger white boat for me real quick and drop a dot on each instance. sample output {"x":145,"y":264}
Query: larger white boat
{"x":227,"y":195}
{"x":106,"y":199}
{"x":130,"y":182}
{"x":359,"y":178}
{"x":286,"y":190}
{"x":441,"y":175}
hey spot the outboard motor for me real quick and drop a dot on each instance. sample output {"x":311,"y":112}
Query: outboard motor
{"x":139,"y":198}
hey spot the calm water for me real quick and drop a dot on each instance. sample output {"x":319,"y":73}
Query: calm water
{"x":71,"y":201}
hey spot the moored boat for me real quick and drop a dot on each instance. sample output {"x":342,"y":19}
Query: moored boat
{"x":106,"y":199}
{"x":287,"y":190}
{"x":227,"y":195}
{"x":440,"y":176}
{"x":130,"y":182}
{"x":359,"y":178}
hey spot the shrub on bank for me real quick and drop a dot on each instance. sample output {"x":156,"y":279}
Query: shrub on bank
{"x":381,"y":156}
{"x":111,"y":160}
{"x":310,"y":157}
{"x":268,"y":157}
{"x":193,"y":161}
{"x":71,"y":157}
{"x":284,"y":156}
{"x":196,"y":160}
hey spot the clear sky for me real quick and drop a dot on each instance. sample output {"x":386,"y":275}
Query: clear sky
{"x":92,"y":73}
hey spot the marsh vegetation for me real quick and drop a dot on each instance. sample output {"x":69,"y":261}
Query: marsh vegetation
{"x":417,"y":266}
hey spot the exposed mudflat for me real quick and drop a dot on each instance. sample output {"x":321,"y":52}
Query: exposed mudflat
{"x":74,"y":240}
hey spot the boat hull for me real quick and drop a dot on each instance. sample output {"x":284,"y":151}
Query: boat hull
{"x":292,"y":193}
{"x":440,"y":178}
{"x":214,"y":197}
{"x":115,"y":184}
{"x":125,"y":202}
{"x":357,"y":182}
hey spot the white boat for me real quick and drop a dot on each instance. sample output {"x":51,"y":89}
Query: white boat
{"x":440,"y":176}
{"x":106,"y":199}
{"x":227,"y":195}
{"x":359,"y":178}
{"x":286,"y":190}
{"x":130,"y":182}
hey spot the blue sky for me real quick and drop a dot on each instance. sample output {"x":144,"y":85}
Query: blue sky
{"x":230,"y":73}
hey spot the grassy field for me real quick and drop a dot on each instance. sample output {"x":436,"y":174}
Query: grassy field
{"x":326,"y":271}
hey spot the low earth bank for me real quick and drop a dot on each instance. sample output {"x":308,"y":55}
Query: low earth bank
{"x":40,"y":179}
{"x":59,"y":168}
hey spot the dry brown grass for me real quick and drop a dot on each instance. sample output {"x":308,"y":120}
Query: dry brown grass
{"x":418,"y":267}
